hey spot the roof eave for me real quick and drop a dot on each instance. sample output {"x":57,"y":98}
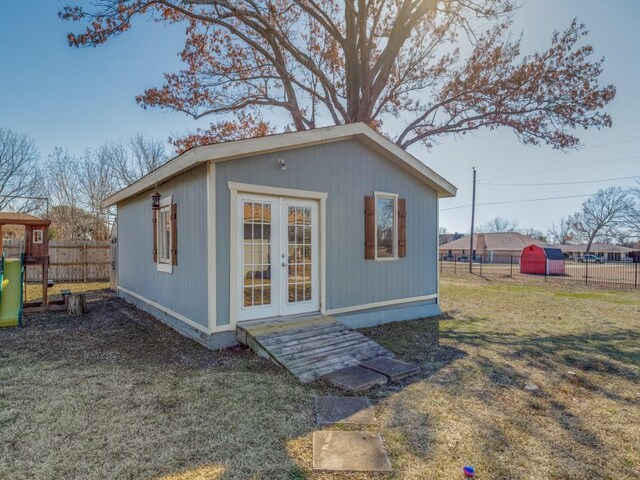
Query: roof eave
{"x":286,"y":141}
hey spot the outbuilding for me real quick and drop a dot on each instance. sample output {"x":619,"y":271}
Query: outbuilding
{"x":336,"y":221}
{"x":542,"y":260}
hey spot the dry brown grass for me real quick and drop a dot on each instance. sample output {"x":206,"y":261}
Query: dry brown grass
{"x":104,"y":397}
{"x":34,"y":290}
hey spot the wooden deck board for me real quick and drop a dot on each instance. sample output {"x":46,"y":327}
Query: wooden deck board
{"x":300,"y":335}
{"x":309,"y":347}
{"x":285,"y":327}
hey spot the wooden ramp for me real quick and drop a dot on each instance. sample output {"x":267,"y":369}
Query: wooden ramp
{"x":309,"y":347}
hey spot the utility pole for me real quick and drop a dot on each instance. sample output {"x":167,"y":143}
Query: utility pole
{"x":473,"y":217}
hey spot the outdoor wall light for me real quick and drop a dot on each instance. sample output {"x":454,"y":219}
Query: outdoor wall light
{"x":283,"y":165}
{"x":155,"y":201}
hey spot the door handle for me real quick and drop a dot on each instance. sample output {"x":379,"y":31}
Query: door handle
{"x":284,"y":264}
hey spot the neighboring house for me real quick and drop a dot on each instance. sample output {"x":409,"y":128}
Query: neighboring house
{"x":612,"y":253}
{"x":493,"y":247}
{"x":449,"y":237}
{"x":335,"y":221}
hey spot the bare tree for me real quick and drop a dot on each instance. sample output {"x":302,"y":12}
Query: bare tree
{"x":634,"y":214}
{"x":132,"y":160}
{"x":64,"y":191}
{"x":72,"y":223}
{"x":77,"y":186}
{"x":20,"y":174}
{"x":602,"y":216}
{"x":97,"y":183}
{"x":498,"y":225}
{"x":534,"y":233}
{"x":561,"y":232}
{"x":63,"y":187}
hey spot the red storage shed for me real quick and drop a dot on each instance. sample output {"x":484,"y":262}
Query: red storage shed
{"x":540,"y":260}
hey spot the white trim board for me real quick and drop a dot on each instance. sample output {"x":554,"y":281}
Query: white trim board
{"x":232,"y":150}
{"x":166,"y":266}
{"x":166,"y":310}
{"x":235,"y":189}
{"x":386,"y":303}
{"x":394,"y":197}
{"x":275,"y":191}
{"x":212,"y":291}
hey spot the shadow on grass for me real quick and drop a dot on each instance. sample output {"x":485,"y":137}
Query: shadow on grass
{"x":117,"y":394}
{"x":98,"y":376}
{"x":496,"y":366}
{"x":598,"y":352}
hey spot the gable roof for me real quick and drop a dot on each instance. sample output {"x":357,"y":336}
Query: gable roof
{"x":597,"y":248}
{"x":231,"y":150}
{"x":553,"y":253}
{"x":16,"y":218}
{"x":493,"y":241}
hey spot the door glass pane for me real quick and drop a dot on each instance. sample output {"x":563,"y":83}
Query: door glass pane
{"x":385,"y":228}
{"x":257,"y":254}
{"x":299,"y":254}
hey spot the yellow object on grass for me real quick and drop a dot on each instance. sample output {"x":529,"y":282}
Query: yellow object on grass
{"x":11,"y":294}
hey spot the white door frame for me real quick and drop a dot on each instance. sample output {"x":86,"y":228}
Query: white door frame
{"x":236,"y":189}
{"x":272,"y":309}
{"x":313,"y":305}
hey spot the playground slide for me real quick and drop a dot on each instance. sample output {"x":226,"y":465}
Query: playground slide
{"x":11,"y":293}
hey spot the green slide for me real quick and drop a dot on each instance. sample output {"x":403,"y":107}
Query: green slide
{"x":11,"y":292}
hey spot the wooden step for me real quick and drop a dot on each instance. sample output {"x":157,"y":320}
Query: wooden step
{"x":309,"y":347}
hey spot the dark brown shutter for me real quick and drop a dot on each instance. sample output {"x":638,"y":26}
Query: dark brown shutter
{"x":155,"y":236}
{"x":174,"y":234}
{"x":369,"y":228}
{"x":402,"y":227}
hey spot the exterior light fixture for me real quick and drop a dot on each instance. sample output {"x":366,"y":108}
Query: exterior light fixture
{"x":155,"y":201}
{"x":283,"y":165}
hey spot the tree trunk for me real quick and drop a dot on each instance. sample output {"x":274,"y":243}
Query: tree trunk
{"x":77,"y":304}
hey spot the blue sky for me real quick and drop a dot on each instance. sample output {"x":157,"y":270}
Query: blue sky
{"x":81,"y":98}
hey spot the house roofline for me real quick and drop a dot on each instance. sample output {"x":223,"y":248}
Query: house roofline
{"x":236,"y":149}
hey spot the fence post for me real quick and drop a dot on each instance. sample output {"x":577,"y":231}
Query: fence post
{"x":586,"y":271}
{"x":84,"y":261}
{"x":455,"y":265}
{"x":441,"y":257}
{"x":481,"y":257}
{"x":511,"y":267}
{"x":636,"y":279}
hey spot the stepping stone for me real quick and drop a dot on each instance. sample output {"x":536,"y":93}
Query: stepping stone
{"x":355,"y":379}
{"x":391,"y":368}
{"x":337,"y":451}
{"x":346,"y":410}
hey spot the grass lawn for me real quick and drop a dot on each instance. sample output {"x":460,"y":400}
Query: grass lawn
{"x":116,"y":395}
{"x":34,"y":290}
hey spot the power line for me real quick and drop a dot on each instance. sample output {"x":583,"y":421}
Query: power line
{"x":557,"y":183}
{"x":567,"y":167}
{"x":635,"y":139}
{"x":518,"y":201}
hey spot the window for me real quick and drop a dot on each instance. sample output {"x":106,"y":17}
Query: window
{"x":37,"y":236}
{"x":164,"y":236}
{"x":386,"y":205}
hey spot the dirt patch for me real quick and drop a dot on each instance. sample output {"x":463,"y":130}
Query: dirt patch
{"x":112,"y":331}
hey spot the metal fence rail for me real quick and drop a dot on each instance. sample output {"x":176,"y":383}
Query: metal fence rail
{"x":613,"y":274}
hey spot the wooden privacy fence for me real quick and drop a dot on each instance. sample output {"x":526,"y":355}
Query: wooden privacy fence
{"x":70,"y":260}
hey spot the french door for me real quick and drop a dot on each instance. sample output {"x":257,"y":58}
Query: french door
{"x":277,"y":256}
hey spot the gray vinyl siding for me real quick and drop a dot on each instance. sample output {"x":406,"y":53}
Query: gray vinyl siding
{"x":347,"y":171}
{"x":185,"y":290}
